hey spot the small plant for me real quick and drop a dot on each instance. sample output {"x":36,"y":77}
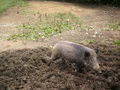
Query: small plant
{"x":48,"y":25}
{"x":117,"y":42}
{"x":114,"y":26}
{"x":91,"y":41}
{"x":86,"y":42}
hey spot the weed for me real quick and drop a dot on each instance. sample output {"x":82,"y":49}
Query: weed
{"x":86,"y":42}
{"x":117,"y":42}
{"x":91,"y":41}
{"x":114,"y":26}
{"x":48,"y":25}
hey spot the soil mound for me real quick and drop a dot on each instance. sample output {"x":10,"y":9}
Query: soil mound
{"x":26,"y":69}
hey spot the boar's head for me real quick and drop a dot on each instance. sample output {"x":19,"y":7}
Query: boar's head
{"x":90,"y":60}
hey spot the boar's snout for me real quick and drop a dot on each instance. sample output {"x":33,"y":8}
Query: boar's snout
{"x":96,"y":67}
{"x":91,"y":59}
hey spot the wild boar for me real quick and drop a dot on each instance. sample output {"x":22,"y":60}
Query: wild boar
{"x":75,"y":53}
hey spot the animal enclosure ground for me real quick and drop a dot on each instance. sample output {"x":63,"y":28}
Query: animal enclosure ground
{"x":26,"y":69}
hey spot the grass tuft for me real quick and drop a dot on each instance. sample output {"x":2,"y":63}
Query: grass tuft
{"x":48,"y":25}
{"x":91,"y":41}
{"x":114,"y":26}
{"x":117,"y":42}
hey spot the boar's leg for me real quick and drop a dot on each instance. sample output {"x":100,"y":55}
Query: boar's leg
{"x":54,"y":56}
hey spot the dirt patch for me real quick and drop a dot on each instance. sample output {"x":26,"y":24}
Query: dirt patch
{"x":26,"y":69}
{"x":95,"y":17}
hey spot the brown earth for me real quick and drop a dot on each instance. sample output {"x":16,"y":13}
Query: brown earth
{"x":22,"y":63}
{"x":95,"y":17}
{"x":26,"y":69}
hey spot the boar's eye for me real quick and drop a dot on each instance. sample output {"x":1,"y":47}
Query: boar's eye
{"x":87,"y":54}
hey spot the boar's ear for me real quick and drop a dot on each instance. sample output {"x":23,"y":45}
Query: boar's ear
{"x":87,"y":54}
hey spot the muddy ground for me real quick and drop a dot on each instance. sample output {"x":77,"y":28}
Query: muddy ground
{"x":26,"y":70}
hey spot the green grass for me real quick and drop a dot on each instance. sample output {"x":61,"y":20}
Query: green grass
{"x":117,"y":42}
{"x":85,"y":42}
{"x":91,"y":41}
{"x":114,"y":26}
{"x":22,"y":3}
{"x":5,"y":4}
{"x":47,"y":25}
